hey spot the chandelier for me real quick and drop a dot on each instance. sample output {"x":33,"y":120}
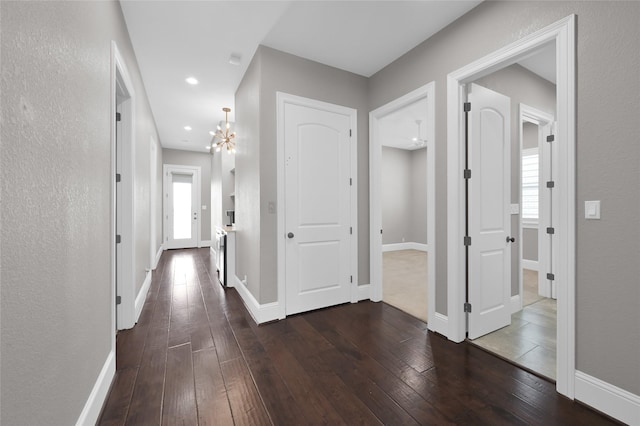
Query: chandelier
{"x":225,"y":138}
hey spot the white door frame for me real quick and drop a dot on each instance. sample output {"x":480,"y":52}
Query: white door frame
{"x":123,"y":276}
{"x":153,"y":202}
{"x":166,"y":183}
{"x":282,"y":99}
{"x":563,"y":34}
{"x":426,"y":92}
{"x":543,"y":120}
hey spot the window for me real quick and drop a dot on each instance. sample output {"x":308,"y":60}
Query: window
{"x":530,"y":184}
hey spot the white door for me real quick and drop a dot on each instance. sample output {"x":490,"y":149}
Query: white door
{"x":317,"y":208}
{"x":182,"y":189}
{"x":489,"y":211}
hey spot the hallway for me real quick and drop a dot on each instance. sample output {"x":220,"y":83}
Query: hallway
{"x":196,"y":357}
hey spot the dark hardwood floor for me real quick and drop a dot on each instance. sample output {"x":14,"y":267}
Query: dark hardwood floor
{"x":197,"y":357}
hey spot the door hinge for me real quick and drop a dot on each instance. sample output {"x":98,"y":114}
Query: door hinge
{"x":350,"y":181}
{"x":350,"y":133}
{"x":118,"y":300}
{"x":467,"y":106}
{"x":118,"y":177}
{"x":550,"y":184}
{"x":551,"y":230}
{"x":351,"y":230}
{"x":467,"y":240}
{"x":118,"y":239}
{"x":351,"y":278}
{"x":467,"y":173}
{"x":118,"y":116}
{"x":551,"y":276}
{"x":381,"y":232}
{"x":550,"y":138}
{"x":467,"y":307}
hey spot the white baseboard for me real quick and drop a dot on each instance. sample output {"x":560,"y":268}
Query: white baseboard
{"x":405,"y":246}
{"x":607,"y":398}
{"x":364,"y":292}
{"x":439,"y":324}
{"x":529,"y":264}
{"x":206,"y":243}
{"x":98,"y":395}
{"x":260,"y":313}
{"x":158,"y":256}
{"x":516,"y":304}
{"x":142,"y":295}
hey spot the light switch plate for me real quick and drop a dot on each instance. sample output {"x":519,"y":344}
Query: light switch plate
{"x":515,"y":208}
{"x":204,"y":207}
{"x":592,"y":209}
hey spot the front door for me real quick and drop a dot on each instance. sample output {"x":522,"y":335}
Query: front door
{"x":317,"y":208}
{"x":181,"y":216}
{"x":489,"y":211}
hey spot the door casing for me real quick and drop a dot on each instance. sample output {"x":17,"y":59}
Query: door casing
{"x":563,"y":34}
{"x":283,"y":99}
{"x":167,"y":170}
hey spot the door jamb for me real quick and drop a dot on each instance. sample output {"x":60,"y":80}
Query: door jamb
{"x":426,"y":92}
{"x":196,"y":170}
{"x":281,"y":100}
{"x":563,"y":33}
{"x":126,"y":313}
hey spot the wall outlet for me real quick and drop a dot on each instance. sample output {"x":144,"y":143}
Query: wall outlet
{"x":403,"y":239}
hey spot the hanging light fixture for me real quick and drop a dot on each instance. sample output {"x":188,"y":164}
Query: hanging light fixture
{"x":225,"y":137}
{"x":419,"y":142}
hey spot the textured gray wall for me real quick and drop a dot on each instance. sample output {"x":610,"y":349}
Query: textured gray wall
{"x":608,"y":98}
{"x":396,"y":195}
{"x":202,"y":160}
{"x":521,"y":86}
{"x":419,"y":196}
{"x":56,"y":312}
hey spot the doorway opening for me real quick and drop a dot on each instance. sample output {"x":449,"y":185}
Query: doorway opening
{"x":461,"y":308}
{"x":181,"y":189}
{"x":402,"y":204}
{"x":123,"y":184}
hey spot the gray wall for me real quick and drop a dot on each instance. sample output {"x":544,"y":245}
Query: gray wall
{"x":521,"y":86}
{"x":404,"y":195}
{"x":608,"y":97}
{"x":275,"y":71}
{"x":202,"y":160}
{"x":56,"y":311}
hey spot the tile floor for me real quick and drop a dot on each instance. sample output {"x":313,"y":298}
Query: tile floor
{"x":404,"y":281}
{"x":530,"y":340}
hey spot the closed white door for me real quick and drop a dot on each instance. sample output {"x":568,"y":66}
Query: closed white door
{"x":317,"y":203}
{"x":182,"y":189}
{"x":489,"y":211}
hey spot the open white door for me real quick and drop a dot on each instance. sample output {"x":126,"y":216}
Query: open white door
{"x":182,"y":198}
{"x":317,"y":208}
{"x":489,"y":211}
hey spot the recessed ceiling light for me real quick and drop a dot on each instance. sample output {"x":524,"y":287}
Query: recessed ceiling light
{"x":187,"y":128}
{"x":207,"y":147}
{"x":191,"y":80}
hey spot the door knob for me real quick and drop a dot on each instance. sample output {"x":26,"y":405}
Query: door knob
{"x":511,"y":239}
{"x":290,"y":235}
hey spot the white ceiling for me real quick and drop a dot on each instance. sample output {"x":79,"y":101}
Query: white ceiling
{"x":398,"y":129}
{"x":177,"y":39}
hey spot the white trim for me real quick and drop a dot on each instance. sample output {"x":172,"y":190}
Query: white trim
{"x":428,"y":93}
{"x":99,"y":392}
{"x":123,"y":277}
{"x":516,"y":303}
{"x":260,"y":313}
{"x":281,"y":100}
{"x":153,"y":200}
{"x":205,"y":243}
{"x":158,"y":256}
{"x":404,"y":246}
{"x":607,"y":398}
{"x":563,"y":33}
{"x":529,"y":264}
{"x":142,"y":295}
{"x":197,"y":179}
{"x":364,"y":292}
{"x":439,"y":324}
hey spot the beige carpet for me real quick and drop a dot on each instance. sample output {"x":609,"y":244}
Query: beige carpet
{"x":404,"y":281}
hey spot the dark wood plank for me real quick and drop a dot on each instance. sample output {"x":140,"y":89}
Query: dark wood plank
{"x":211,"y":393}
{"x":246,"y":403}
{"x":117,"y":405}
{"x":179,"y":404}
